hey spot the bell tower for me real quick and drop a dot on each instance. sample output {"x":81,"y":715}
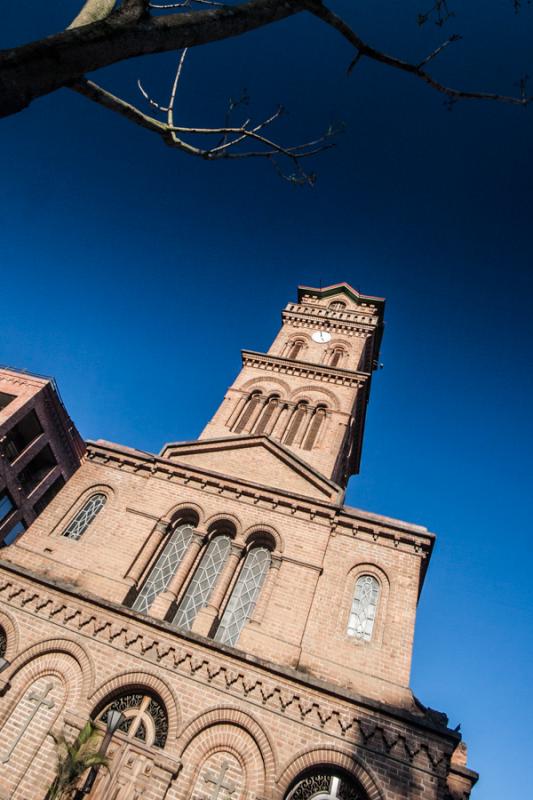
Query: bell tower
{"x":309,"y":392}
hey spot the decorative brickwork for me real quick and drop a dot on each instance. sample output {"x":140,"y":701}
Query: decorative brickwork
{"x":317,"y":599}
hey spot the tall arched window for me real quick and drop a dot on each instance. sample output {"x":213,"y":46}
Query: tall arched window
{"x":266,"y":416}
{"x":247,"y":411}
{"x":145,"y":717}
{"x":244,"y":595}
{"x":296,"y":421}
{"x":337,"y":305}
{"x":3,"y":642}
{"x":364,"y":607}
{"x":316,"y":423}
{"x":164,"y":568}
{"x":77,"y":527}
{"x":336,"y":356}
{"x":295,"y":348}
{"x":327,"y":784}
{"x":203,"y":582}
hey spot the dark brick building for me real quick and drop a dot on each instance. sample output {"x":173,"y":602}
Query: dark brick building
{"x":40,"y":449}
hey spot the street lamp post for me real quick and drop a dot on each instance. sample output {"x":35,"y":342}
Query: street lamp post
{"x":114,"y":720}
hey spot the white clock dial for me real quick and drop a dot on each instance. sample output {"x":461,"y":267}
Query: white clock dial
{"x":321,"y":336}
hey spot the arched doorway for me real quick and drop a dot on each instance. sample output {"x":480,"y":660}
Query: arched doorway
{"x":326,"y":784}
{"x":133,"y":753}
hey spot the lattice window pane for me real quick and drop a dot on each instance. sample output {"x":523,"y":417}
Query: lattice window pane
{"x":85,"y":516}
{"x":144,"y":718}
{"x":164,"y":568}
{"x":364,"y":606}
{"x":326,"y":786}
{"x":203,"y":582}
{"x":244,"y":595}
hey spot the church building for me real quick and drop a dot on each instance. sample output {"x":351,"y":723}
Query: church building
{"x":255,"y":632}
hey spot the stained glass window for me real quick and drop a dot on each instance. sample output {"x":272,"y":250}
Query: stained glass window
{"x":164,"y":568}
{"x":85,"y":516}
{"x":327,"y":786}
{"x":364,"y":606}
{"x":203,"y":582}
{"x":244,"y":595}
{"x":145,"y":718}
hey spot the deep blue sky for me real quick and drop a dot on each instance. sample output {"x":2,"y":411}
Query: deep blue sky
{"x":134,"y":275}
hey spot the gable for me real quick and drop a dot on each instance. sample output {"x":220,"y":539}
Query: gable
{"x":256,"y":460}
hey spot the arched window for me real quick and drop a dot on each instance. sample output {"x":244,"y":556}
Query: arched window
{"x":364,"y":607}
{"x":336,"y":357}
{"x":3,"y":642}
{"x":247,"y":411}
{"x":337,"y":305}
{"x":77,"y":527}
{"x":295,"y":348}
{"x":203,"y":582}
{"x":296,"y":421}
{"x":244,"y":595}
{"x":164,"y":568}
{"x":316,"y":423}
{"x":145,"y":718}
{"x":327,"y":784}
{"x":266,"y":416}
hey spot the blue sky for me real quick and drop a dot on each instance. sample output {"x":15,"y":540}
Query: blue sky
{"x":134,"y":275}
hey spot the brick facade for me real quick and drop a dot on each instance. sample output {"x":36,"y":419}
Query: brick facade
{"x":293,"y":699}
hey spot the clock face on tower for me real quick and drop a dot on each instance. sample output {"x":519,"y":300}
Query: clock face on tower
{"x":321,"y":336}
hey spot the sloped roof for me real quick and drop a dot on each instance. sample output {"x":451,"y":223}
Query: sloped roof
{"x":258,"y":459}
{"x":344,"y":288}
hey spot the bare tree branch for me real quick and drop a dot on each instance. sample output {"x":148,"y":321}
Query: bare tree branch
{"x":454,"y":38}
{"x":233,"y":135}
{"x":92,"y":11}
{"x":185,"y":4}
{"x":365,"y":50}
{"x":36,"y":69}
{"x":39,"y":68}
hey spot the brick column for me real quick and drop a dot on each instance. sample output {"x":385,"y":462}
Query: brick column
{"x":325,"y":424}
{"x":283,"y":420}
{"x":304,"y":424}
{"x":162,"y":603}
{"x":271,"y":424}
{"x":235,"y":414}
{"x":206,"y":616}
{"x":147,"y":552}
{"x":266,"y":590}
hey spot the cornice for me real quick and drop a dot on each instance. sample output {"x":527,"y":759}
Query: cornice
{"x":314,"y":703}
{"x":304,"y":369}
{"x":308,"y":314}
{"x":386,"y":531}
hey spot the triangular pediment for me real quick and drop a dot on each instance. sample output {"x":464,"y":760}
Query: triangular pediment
{"x":255,"y":459}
